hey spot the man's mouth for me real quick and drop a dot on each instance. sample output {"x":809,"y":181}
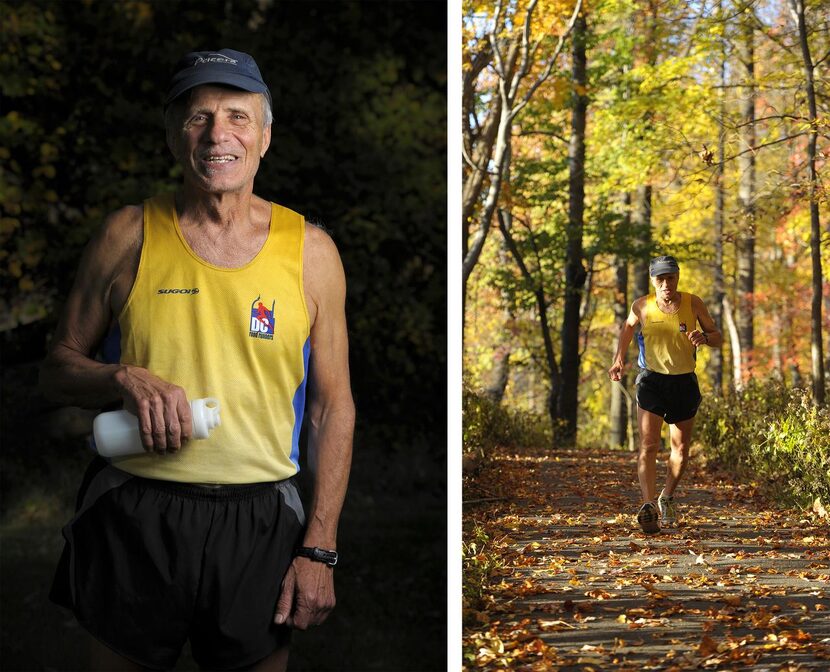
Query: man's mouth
{"x":219,"y":158}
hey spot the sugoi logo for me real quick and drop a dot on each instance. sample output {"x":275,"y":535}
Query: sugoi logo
{"x":195,"y":290}
{"x":262,"y":320}
{"x":215,"y":58}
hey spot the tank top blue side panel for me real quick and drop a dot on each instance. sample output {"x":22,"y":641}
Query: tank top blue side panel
{"x":641,"y":343}
{"x":110,"y":353}
{"x":111,"y":345}
{"x":299,"y":407}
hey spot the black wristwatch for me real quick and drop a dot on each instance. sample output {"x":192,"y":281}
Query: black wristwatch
{"x":318,"y":555}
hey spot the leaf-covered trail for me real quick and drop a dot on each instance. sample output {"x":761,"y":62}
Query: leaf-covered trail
{"x":571,"y":583}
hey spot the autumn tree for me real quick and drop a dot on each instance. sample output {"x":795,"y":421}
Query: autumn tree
{"x":508,"y":56}
{"x":816,"y":342}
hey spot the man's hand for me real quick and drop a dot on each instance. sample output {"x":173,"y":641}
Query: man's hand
{"x":162,"y":409}
{"x":697,"y":338}
{"x":616,"y":370}
{"x":307,"y":594}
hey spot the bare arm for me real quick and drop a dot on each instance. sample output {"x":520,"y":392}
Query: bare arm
{"x":71,"y":375}
{"x":626,"y":334}
{"x":709,"y":333}
{"x":308,"y":589}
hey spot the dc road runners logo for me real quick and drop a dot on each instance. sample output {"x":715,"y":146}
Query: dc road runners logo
{"x":262,"y":320}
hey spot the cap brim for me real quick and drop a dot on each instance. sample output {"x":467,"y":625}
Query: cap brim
{"x":664,"y":269}
{"x":226,"y":79}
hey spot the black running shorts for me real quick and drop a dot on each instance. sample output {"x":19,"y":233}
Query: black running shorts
{"x":150,"y":564}
{"x":674,"y":398}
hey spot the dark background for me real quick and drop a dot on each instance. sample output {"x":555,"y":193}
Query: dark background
{"x":359,"y":145}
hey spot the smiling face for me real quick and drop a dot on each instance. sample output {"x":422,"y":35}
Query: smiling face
{"x":219,"y":138}
{"x":666,"y":285}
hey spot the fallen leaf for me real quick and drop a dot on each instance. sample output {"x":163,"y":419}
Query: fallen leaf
{"x":555,"y":626}
{"x":707,"y":646}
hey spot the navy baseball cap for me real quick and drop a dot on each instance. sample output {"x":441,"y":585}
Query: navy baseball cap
{"x":663,"y":265}
{"x":226,"y":66}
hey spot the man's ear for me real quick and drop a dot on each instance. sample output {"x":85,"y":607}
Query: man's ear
{"x":266,"y":141}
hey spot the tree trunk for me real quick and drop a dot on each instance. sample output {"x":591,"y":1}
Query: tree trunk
{"x":645,"y":24}
{"x":501,"y":357}
{"x":476,"y":241}
{"x":574,"y":268}
{"x":745,"y":253}
{"x":641,"y":218}
{"x":619,"y":409}
{"x":477,"y":141}
{"x":539,"y":294}
{"x":816,"y":342}
{"x":735,"y":343}
{"x":500,"y":375}
{"x":715,"y":366}
{"x":778,"y":346}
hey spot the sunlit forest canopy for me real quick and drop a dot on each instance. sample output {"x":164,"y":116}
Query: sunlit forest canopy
{"x":599,"y":134}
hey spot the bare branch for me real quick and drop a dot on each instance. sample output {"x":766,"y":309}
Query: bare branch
{"x":750,"y":149}
{"x":794,"y":117}
{"x":551,"y":61}
{"x":546,"y":133}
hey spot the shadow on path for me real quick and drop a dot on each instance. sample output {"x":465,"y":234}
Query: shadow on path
{"x":573,"y":584}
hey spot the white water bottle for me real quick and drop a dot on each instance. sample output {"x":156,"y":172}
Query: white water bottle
{"x":116,"y":432}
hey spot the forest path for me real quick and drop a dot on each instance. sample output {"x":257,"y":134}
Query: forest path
{"x":572,"y":583}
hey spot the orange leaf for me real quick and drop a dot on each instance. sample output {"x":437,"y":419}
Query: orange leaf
{"x":707,"y":646}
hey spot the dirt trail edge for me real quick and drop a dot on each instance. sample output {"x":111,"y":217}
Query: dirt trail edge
{"x":571,"y":583}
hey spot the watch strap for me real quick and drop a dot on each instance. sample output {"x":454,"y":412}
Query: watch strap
{"x":318,"y":555}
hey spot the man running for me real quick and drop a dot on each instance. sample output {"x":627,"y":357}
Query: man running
{"x":207,"y":541}
{"x":667,"y":388}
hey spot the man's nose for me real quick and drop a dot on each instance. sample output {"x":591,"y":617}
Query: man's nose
{"x":216,"y":130}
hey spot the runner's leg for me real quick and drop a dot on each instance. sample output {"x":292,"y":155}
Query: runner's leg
{"x":103,"y":657}
{"x":681,"y":441}
{"x":276,"y":662}
{"x":650,"y":426}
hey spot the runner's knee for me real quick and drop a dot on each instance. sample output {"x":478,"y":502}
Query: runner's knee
{"x":680,"y":446}
{"x":649,"y":446}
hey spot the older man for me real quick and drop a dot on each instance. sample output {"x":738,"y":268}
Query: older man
{"x":215,"y":292}
{"x":667,"y":388}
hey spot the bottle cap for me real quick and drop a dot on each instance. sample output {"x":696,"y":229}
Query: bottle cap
{"x":205,"y":414}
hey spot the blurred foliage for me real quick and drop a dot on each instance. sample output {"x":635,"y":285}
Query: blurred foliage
{"x":481,"y":561}
{"x":359,"y":145}
{"x":488,"y":424}
{"x":771,"y":434}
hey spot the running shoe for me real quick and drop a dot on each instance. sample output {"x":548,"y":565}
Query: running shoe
{"x":648,"y":517}
{"x":668,"y":514}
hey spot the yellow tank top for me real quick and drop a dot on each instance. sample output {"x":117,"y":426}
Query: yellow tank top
{"x":664,"y":346}
{"x":240,"y":335}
